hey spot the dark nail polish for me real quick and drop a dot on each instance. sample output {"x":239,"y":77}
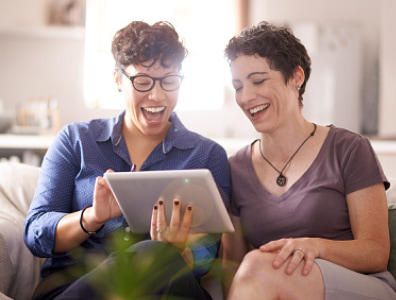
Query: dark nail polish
{"x":160,"y":202}
{"x":189,"y":207}
{"x":176,"y":202}
{"x":155,"y":207}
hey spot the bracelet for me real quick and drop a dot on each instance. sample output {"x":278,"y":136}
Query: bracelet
{"x":81,"y":223}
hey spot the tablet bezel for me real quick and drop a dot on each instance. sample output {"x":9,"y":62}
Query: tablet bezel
{"x":137,"y":192}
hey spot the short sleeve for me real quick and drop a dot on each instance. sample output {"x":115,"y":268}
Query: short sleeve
{"x":360,"y":165}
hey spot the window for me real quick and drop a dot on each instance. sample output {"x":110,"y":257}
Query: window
{"x":205,"y":25}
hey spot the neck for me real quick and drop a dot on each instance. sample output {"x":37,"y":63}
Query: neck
{"x":282,"y":143}
{"x":133,"y":133}
{"x":281,"y":180}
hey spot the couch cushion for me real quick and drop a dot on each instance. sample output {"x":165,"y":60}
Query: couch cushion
{"x":391,"y":197}
{"x":392,"y":233}
{"x":20,"y":270}
{"x":5,"y":266}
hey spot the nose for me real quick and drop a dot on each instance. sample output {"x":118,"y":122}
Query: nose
{"x":247,"y":94}
{"x":157,"y":93}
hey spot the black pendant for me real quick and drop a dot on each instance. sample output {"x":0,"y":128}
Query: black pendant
{"x":281,"y":180}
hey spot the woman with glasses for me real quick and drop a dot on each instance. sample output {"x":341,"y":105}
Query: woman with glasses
{"x":308,"y":201}
{"x":74,"y":213}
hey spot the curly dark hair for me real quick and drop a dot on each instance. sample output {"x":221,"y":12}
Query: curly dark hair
{"x":283,"y":51}
{"x":142,"y":44}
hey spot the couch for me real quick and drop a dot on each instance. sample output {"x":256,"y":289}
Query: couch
{"x":20,"y":270}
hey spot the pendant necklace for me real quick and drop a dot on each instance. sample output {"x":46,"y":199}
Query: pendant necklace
{"x":281,"y":179}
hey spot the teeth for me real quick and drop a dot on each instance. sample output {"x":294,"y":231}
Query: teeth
{"x":258,"y":108}
{"x":154,"y":109}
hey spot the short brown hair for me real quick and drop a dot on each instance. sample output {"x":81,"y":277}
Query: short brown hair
{"x":142,"y":44}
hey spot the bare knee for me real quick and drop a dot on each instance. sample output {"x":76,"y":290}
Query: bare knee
{"x":256,"y":262}
{"x":254,"y":277}
{"x":256,"y":268}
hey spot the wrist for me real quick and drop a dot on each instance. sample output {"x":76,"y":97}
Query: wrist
{"x":89,"y":227}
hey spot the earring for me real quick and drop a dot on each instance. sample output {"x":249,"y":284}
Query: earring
{"x":298,"y":87}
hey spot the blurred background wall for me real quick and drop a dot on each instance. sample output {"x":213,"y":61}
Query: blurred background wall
{"x":42,"y":60}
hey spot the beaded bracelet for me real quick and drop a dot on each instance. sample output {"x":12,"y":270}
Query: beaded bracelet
{"x":81,"y":224}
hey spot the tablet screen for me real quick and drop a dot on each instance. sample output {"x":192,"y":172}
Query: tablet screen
{"x":137,"y":192}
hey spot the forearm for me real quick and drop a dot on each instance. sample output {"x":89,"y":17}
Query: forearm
{"x":369,"y":251}
{"x":69,"y":233}
{"x":366,"y":256}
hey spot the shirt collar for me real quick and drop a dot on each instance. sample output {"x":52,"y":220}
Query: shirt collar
{"x":112,"y":129}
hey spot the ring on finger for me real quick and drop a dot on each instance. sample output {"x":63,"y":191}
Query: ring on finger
{"x":161,"y":230}
{"x":299,"y":249}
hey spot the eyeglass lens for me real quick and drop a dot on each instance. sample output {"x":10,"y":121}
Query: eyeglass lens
{"x":145,"y":83}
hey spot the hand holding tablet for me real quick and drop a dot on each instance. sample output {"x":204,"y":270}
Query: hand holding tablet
{"x":137,"y":192}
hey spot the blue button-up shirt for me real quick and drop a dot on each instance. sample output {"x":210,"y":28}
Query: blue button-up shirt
{"x":81,"y":152}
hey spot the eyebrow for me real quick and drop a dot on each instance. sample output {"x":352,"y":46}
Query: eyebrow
{"x":252,"y":74}
{"x":257,"y":73}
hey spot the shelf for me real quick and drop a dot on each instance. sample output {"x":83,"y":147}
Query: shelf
{"x":50,"y":32}
{"x":25,"y":142}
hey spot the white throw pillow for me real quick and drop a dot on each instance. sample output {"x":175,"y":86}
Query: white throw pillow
{"x":20,"y":269}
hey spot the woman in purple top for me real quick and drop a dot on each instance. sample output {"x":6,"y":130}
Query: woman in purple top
{"x":309,"y":202}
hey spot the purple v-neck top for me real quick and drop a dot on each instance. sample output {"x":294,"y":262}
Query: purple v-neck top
{"x":315,"y":205}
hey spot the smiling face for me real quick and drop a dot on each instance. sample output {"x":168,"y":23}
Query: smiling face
{"x":262,"y":93}
{"x":147,"y":113}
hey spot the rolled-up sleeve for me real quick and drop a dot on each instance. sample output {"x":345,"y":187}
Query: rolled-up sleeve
{"x":40,"y":232}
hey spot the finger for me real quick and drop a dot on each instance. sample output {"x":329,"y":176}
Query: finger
{"x":175,"y":218}
{"x":295,"y":259}
{"x":99,"y":189}
{"x":153,"y":228}
{"x":186,"y":222}
{"x":161,"y":220}
{"x":105,"y":181}
{"x":273,"y":246}
{"x":309,"y":262}
{"x":101,"y":205}
{"x":284,"y":253}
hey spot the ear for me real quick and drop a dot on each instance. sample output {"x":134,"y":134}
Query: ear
{"x":117,"y":80}
{"x":298,"y":76}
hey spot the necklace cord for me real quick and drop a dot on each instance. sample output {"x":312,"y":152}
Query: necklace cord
{"x":294,"y":154}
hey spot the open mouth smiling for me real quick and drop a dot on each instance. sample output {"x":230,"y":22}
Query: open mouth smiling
{"x":257,"y":109}
{"x":153,"y":114}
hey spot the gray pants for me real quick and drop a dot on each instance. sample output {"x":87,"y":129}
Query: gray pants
{"x":343,"y":284}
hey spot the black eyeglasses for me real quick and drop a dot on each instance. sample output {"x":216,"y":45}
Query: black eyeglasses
{"x":145,"y":83}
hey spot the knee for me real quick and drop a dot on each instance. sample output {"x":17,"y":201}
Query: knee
{"x":257,"y":259}
{"x":255,"y":264}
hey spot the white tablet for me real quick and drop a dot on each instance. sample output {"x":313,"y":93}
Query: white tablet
{"x":137,"y":192}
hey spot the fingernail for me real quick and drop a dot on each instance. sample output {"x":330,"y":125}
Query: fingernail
{"x":155,"y":207}
{"x":160,"y":202}
{"x":176,"y":202}
{"x":189,"y":207}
